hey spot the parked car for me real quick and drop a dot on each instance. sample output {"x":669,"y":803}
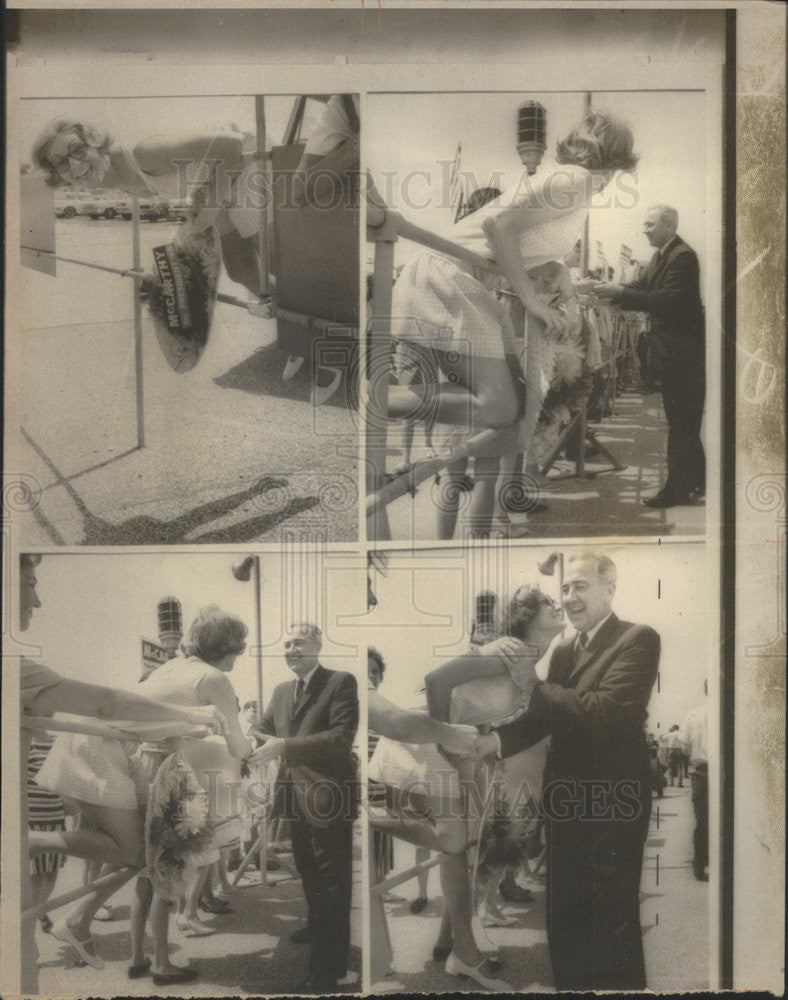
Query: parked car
{"x":179,"y":210}
{"x":71,"y":202}
{"x":151,"y":210}
{"x":107,"y":205}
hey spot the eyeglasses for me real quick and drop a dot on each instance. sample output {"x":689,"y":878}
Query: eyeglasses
{"x":76,"y":151}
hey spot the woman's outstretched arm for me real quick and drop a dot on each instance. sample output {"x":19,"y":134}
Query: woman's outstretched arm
{"x":160,"y":155}
{"x":100,"y":702}
{"x":388,"y":719}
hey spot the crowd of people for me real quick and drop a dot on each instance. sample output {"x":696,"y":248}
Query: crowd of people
{"x":163,"y":802}
{"x":520,"y":346}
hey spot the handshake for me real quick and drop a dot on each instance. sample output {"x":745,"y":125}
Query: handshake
{"x":467,"y":741}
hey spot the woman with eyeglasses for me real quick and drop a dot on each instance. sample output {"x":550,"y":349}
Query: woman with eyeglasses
{"x":456,"y":796}
{"x":213,"y":169}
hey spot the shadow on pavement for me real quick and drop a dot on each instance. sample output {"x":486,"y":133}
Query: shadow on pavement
{"x":261,"y":375}
{"x":152,"y":531}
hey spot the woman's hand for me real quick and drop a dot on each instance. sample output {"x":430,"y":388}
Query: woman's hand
{"x":460,"y":739}
{"x":555,"y":322}
{"x":507,"y":648}
{"x":515,"y":656}
{"x":210,"y":716}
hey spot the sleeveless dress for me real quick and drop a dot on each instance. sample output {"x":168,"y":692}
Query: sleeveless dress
{"x":422,"y":767}
{"x":216,"y":770}
{"x":446,"y":304}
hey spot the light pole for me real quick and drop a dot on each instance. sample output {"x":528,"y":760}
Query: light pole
{"x":244,"y":571}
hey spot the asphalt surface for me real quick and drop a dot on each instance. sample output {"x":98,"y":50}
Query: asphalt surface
{"x":232,"y":453}
{"x":606,"y":503}
{"x":249,"y":953}
{"x":674,"y":916}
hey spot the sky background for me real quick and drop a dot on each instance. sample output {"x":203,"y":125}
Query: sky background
{"x":96,"y":608}
{"x":426,"y":604}
{"x":411,"y":141}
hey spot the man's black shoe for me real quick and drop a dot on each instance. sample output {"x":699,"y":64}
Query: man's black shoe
{"x":301,"y":936}
{"x":514,"y":893}
{"x":668,"y":500}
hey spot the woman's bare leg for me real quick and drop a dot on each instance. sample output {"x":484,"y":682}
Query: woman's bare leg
{"x":450,"y":498}
{"x":140,"y":908}
{"x":480,"y":515}
{"x":126,"y":829}
{"x":483,"y":395}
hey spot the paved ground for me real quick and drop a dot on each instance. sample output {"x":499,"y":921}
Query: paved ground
{"x":232,"y":454}
{"x":610,"y":503}
{"x":249,"y":954}
{"x":674,"y":917}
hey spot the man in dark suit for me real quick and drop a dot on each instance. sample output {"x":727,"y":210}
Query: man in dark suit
{"x":597,"y":782}
{"x":311,"y":723}
{"x":669,"y":291}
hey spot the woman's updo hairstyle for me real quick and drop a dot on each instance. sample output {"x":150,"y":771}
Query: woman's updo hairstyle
{"x":599,"y":142}
{"x":89,"y":134}
{"x":213,"y":634}
{"x":521,"y":611}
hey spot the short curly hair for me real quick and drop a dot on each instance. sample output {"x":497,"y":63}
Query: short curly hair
{"x":600,"y":141}
{"x":215,"y":633}
{"x":377,"y":656}
{"x":521,"y":610}
{"x":93,"y":136}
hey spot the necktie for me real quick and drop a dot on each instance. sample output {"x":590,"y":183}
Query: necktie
{"x":299,"y":691}
{"x":582,"y":642}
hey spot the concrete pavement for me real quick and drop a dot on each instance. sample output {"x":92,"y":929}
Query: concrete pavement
{"x":607,"y":503}
{"x":249,"y":954}
{"x":232,"y":453}
{"x":674,"y":917}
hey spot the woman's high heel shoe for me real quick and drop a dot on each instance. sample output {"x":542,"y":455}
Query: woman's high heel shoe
{"x":456,"y":967}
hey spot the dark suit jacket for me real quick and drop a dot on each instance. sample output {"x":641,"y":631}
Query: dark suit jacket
{"x":317,"y":777}
{"x":594,"y":709}
{"x":669,"y":291}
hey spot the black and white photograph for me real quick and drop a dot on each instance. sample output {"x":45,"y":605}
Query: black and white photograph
{"x":545,"y":713}
{"x":190,"y":784}
{"x":547,"y":331}
{"x":189,"y":337}
{"x":393,"y":498}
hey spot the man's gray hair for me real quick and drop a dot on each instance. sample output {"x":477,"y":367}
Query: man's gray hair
{"x":667,"y":214}
{"x":307,"y":628}
{"x":605,"y":567}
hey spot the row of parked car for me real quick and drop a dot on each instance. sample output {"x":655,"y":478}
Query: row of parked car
{"x":100,"y":204}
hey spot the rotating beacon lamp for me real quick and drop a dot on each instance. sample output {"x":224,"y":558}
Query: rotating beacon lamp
{"x":170,"y":624}
{"x":531,"y":134}
{"x":484,"y":628}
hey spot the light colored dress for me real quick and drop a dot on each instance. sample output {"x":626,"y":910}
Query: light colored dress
{"x":91,"y":769}
{"x":422,"y":767}
{"x":178,"y":682}
{"x":449,"y":305}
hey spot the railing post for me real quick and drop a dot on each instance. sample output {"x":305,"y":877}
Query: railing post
{"x":378,"y":367}
{"x":138,"y":370}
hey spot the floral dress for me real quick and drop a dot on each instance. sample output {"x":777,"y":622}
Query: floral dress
{"x":178,"y":837}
